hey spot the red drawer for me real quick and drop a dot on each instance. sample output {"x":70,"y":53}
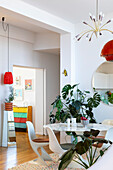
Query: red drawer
{"x":20,"y":120}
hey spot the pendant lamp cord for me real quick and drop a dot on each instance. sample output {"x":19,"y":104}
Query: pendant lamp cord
{"x":6,"y":28}
{"x":96,"y":10}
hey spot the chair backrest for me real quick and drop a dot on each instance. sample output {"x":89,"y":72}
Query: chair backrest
{"x":108,"y":122}
{"x":109,"y":136}
{"x":31,"y":131}
{"x":53,"y":142}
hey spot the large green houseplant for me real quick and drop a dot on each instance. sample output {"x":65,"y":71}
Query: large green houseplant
{"x":74,"y":103}
{"x":85,"y":146}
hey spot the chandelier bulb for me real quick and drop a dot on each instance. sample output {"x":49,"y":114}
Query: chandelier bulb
{"x":85,"y":23}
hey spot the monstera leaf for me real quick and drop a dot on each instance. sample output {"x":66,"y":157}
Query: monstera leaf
{"x":94,"y":101}
{"x":75,"y":107}
{"x":59,"y":105}
{"x":68,"y":89}
{"x":64,"y":116}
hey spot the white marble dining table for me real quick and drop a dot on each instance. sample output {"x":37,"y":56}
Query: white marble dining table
{"x":79,"y":128}
{"x":63,"y":127}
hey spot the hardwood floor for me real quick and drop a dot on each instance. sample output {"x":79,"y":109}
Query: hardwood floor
{"x":22,"y":152}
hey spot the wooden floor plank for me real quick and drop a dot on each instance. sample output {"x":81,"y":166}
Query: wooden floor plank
{"x":12,"y":156}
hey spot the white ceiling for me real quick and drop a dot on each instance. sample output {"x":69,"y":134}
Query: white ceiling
{"x":72,"y":10}
{"x":12,"y":19}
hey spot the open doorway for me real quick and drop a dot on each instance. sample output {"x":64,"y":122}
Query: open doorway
{"x":29,"y":98}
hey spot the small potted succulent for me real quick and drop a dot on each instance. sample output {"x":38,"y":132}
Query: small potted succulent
{"x":8,"y":101}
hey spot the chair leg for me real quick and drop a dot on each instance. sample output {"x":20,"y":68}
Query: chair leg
{"x":42,"y":158}
{"x":45,"y":155}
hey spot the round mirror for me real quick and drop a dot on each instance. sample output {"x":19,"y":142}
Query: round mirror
{"x":103,"y":82}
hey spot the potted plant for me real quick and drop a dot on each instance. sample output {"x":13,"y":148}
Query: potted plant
{"x":8,"y":101}
{"x":89,"y":138}
{"x":74,"y":103}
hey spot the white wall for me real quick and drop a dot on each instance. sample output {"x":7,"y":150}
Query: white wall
{"x":67,"y":58}
{"x":21,"y":54}
{"x":87,"y":61}
{"x":45,"y":41}
{"x":52,"y":65}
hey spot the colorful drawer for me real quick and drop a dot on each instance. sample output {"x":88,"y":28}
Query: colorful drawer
{"x":21,"y":115}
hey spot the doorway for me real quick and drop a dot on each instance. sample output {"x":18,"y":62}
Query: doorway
{"x":30,"y":91}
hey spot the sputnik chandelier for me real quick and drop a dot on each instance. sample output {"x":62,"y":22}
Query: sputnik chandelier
{"x":97,"y":27}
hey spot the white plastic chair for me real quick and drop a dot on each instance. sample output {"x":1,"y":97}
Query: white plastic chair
{"x":109,"y":136}
{"x":53,"y":142}
{"x":37,"y":143}
{"x":57,"y":148}
{"x":108,"y":122}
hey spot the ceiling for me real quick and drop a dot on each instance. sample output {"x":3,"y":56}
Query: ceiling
{"x":12,"y":19}
{"x":72,"y":10}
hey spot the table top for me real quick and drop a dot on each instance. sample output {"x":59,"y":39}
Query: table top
{"x":63,"y":127}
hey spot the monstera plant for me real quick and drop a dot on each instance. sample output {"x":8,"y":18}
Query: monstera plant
{"x":74,"y":103}
{"x":89,"y":138}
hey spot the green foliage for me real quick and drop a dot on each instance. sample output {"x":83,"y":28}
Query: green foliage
{"x":84,"y":146}
{"x":66,"y":159}
{"x":74,"y":103}
{"x":11,"y":96}
{"x":109,"y":98}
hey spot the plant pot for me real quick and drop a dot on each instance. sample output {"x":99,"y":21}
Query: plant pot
{"x":8,"y":106}
{"x":84,"y":122}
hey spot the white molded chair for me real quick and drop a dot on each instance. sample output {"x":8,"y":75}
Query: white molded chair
{"x":53,"y":142}
{"x":57,"y":148}
{"x":109,"y":136}
{"x":36,"y":143}
{"x":108,"y":122}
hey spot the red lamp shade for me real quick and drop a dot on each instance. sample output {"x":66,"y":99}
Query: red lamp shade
{"x":107,"y":51}
{"x":8,"y":78}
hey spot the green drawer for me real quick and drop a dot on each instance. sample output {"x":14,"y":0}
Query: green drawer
{"x":21,"y":115}
{"x":20,"y":125}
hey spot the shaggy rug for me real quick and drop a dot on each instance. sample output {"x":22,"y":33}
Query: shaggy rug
{"x":34,"y":165}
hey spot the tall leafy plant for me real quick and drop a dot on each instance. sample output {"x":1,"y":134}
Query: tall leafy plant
{"x":74,"y":103}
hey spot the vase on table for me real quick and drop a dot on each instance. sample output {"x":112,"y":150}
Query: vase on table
{"x":84,"y":121}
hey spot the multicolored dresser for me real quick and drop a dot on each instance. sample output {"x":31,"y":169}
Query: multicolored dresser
{"x":21,"y":115}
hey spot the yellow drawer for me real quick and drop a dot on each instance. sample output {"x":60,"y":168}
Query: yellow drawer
{"x":20,"y":109}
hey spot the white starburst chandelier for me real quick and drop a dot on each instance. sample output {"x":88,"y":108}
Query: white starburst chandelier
{"x":97,"y":27}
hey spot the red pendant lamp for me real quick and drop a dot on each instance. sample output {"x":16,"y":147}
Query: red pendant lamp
{"x":107,"y":51}
{"x":8,"y":77}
